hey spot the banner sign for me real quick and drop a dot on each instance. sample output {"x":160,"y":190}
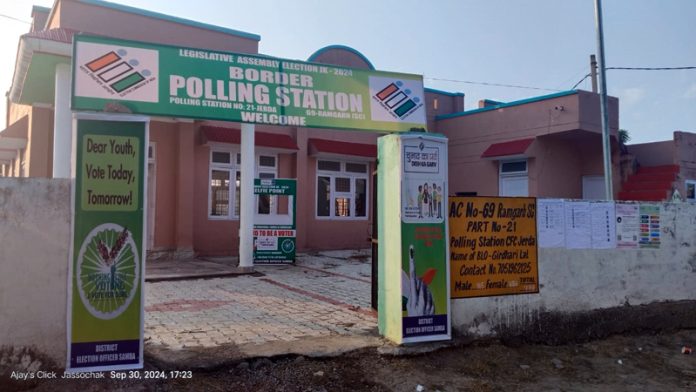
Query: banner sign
{"x":181,"y":82}
{"x":493,"y":246}
{"x":424,"y":271}
{"x":105,"y":304}
{"x":275,"y":243}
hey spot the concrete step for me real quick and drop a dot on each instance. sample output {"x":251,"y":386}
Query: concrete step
{"x":646,"y":185}
{"x":655,"y":176}
{"x":674,"y":169}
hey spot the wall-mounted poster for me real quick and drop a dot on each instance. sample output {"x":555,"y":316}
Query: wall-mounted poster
{"x":603,"y":216}
{"x":627,"y":226}
{"x":578,"y":225}
{"x":551,"y":223}
{"x":649,"y":226}
{"x":493,"y":246}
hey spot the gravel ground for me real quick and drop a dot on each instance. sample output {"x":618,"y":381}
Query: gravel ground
{"x":619,"y":363}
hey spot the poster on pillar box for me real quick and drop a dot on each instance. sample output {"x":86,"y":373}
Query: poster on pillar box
{"x":424,"y":267}
{"x":107,"y":257}
{"x":274,"y":221}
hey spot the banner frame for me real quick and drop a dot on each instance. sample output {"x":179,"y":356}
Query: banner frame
{"x":88,"y":37}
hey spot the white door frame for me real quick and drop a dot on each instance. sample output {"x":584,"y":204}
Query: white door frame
{"x":152,"y":198}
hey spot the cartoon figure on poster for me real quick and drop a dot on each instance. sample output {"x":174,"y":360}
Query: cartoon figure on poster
{"x":423,"y":201}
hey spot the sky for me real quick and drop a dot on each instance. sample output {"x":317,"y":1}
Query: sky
{"x":458,"y":44}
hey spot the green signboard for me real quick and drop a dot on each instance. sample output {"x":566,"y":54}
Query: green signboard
{"x":105,"y":320}
{"x":182,"y":82}
{"x":274,"y":239}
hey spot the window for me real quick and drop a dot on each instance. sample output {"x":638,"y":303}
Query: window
{"x":513,"y":167}
{"x":266,"y":170}
{"x":341,"y":190}
{"x":690,"y":190}
{"x":220,"y":193}
{"x":225,"y":177}
{"x":513,"y":180}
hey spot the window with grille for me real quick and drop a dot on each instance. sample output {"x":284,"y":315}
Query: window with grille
{"x":225,"y":179}
{"x":342,"y":190}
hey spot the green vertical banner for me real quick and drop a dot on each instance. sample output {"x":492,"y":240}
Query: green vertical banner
{"x":275,"y":234}
{"x":413,"y":264}
{"x":105,"y":304}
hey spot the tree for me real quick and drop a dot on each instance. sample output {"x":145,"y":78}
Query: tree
{"x":624,"y":138}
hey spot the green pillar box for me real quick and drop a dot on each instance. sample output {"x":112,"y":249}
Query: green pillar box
{"x":413,"y":271}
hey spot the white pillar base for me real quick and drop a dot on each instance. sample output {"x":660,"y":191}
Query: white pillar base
{"x":246,"y":206}
{"x":62,"y":124}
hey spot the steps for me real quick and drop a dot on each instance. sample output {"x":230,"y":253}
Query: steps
{"x":651,"y":183}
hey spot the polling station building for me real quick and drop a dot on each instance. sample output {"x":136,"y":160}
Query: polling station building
{"x":546,"y":146}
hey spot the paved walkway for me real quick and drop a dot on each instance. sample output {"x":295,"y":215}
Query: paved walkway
{"x":323,"y":295}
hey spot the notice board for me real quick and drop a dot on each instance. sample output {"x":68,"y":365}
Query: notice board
{"x":493,"y":246}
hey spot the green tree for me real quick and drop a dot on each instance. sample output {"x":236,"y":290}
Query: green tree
{"x":624,"y":138}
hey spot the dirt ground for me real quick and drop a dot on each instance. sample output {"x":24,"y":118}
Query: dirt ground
{"x":619,"y":363}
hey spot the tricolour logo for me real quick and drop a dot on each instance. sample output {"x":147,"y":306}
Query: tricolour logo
{"x":397,"y":100}
{"x":116,"y":72}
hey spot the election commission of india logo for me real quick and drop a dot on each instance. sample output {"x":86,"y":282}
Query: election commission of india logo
{"x":396,"y":100}
{"x":118,"y":72}
{"x":108,"y":270}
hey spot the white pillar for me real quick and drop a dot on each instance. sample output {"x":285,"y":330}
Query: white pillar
{"x":246,"y":207}
{"x":62,"y":123}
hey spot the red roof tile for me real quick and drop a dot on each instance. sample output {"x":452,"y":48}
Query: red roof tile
{"x":343,"y":148}
{"x":58,"y":35}
{"x":261,"y":139}
{"x":514,"y":147}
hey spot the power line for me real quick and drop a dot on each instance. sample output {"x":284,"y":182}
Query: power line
{"x":492,"y":84}
{"x":13,"y":18}
{"x":635,"y":69}
{"x":652,"y":68}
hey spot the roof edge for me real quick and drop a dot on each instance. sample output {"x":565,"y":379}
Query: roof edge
{"x":314,"y":55}
{"x":170,"y":18}
{"x":443,"y":92}
{"x":508,"y":104}
{"x":25,"y":52}
{"x":38,"y":8}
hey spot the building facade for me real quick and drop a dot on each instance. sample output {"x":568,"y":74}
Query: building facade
{"x":547,"y":146}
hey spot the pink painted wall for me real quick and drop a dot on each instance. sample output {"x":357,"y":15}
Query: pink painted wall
{"x":39,"y":151}
{"x":567,"y":145}
{"x":114,"y":23}
{"x":220,"y":237}
{"x":655,"y":153}
{"x":216,"y":237}
{"x":321,"y":233}
{"x":213,"y":237}
{"x":39,"y":18}
{"x":165,"y":218}
{"x":445,"y":104}
{"x":685,"y":155}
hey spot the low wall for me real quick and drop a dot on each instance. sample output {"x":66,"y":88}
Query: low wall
{"x":583,"y":293}
{"x":574,"y":283}
{"x":34,"y":238}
